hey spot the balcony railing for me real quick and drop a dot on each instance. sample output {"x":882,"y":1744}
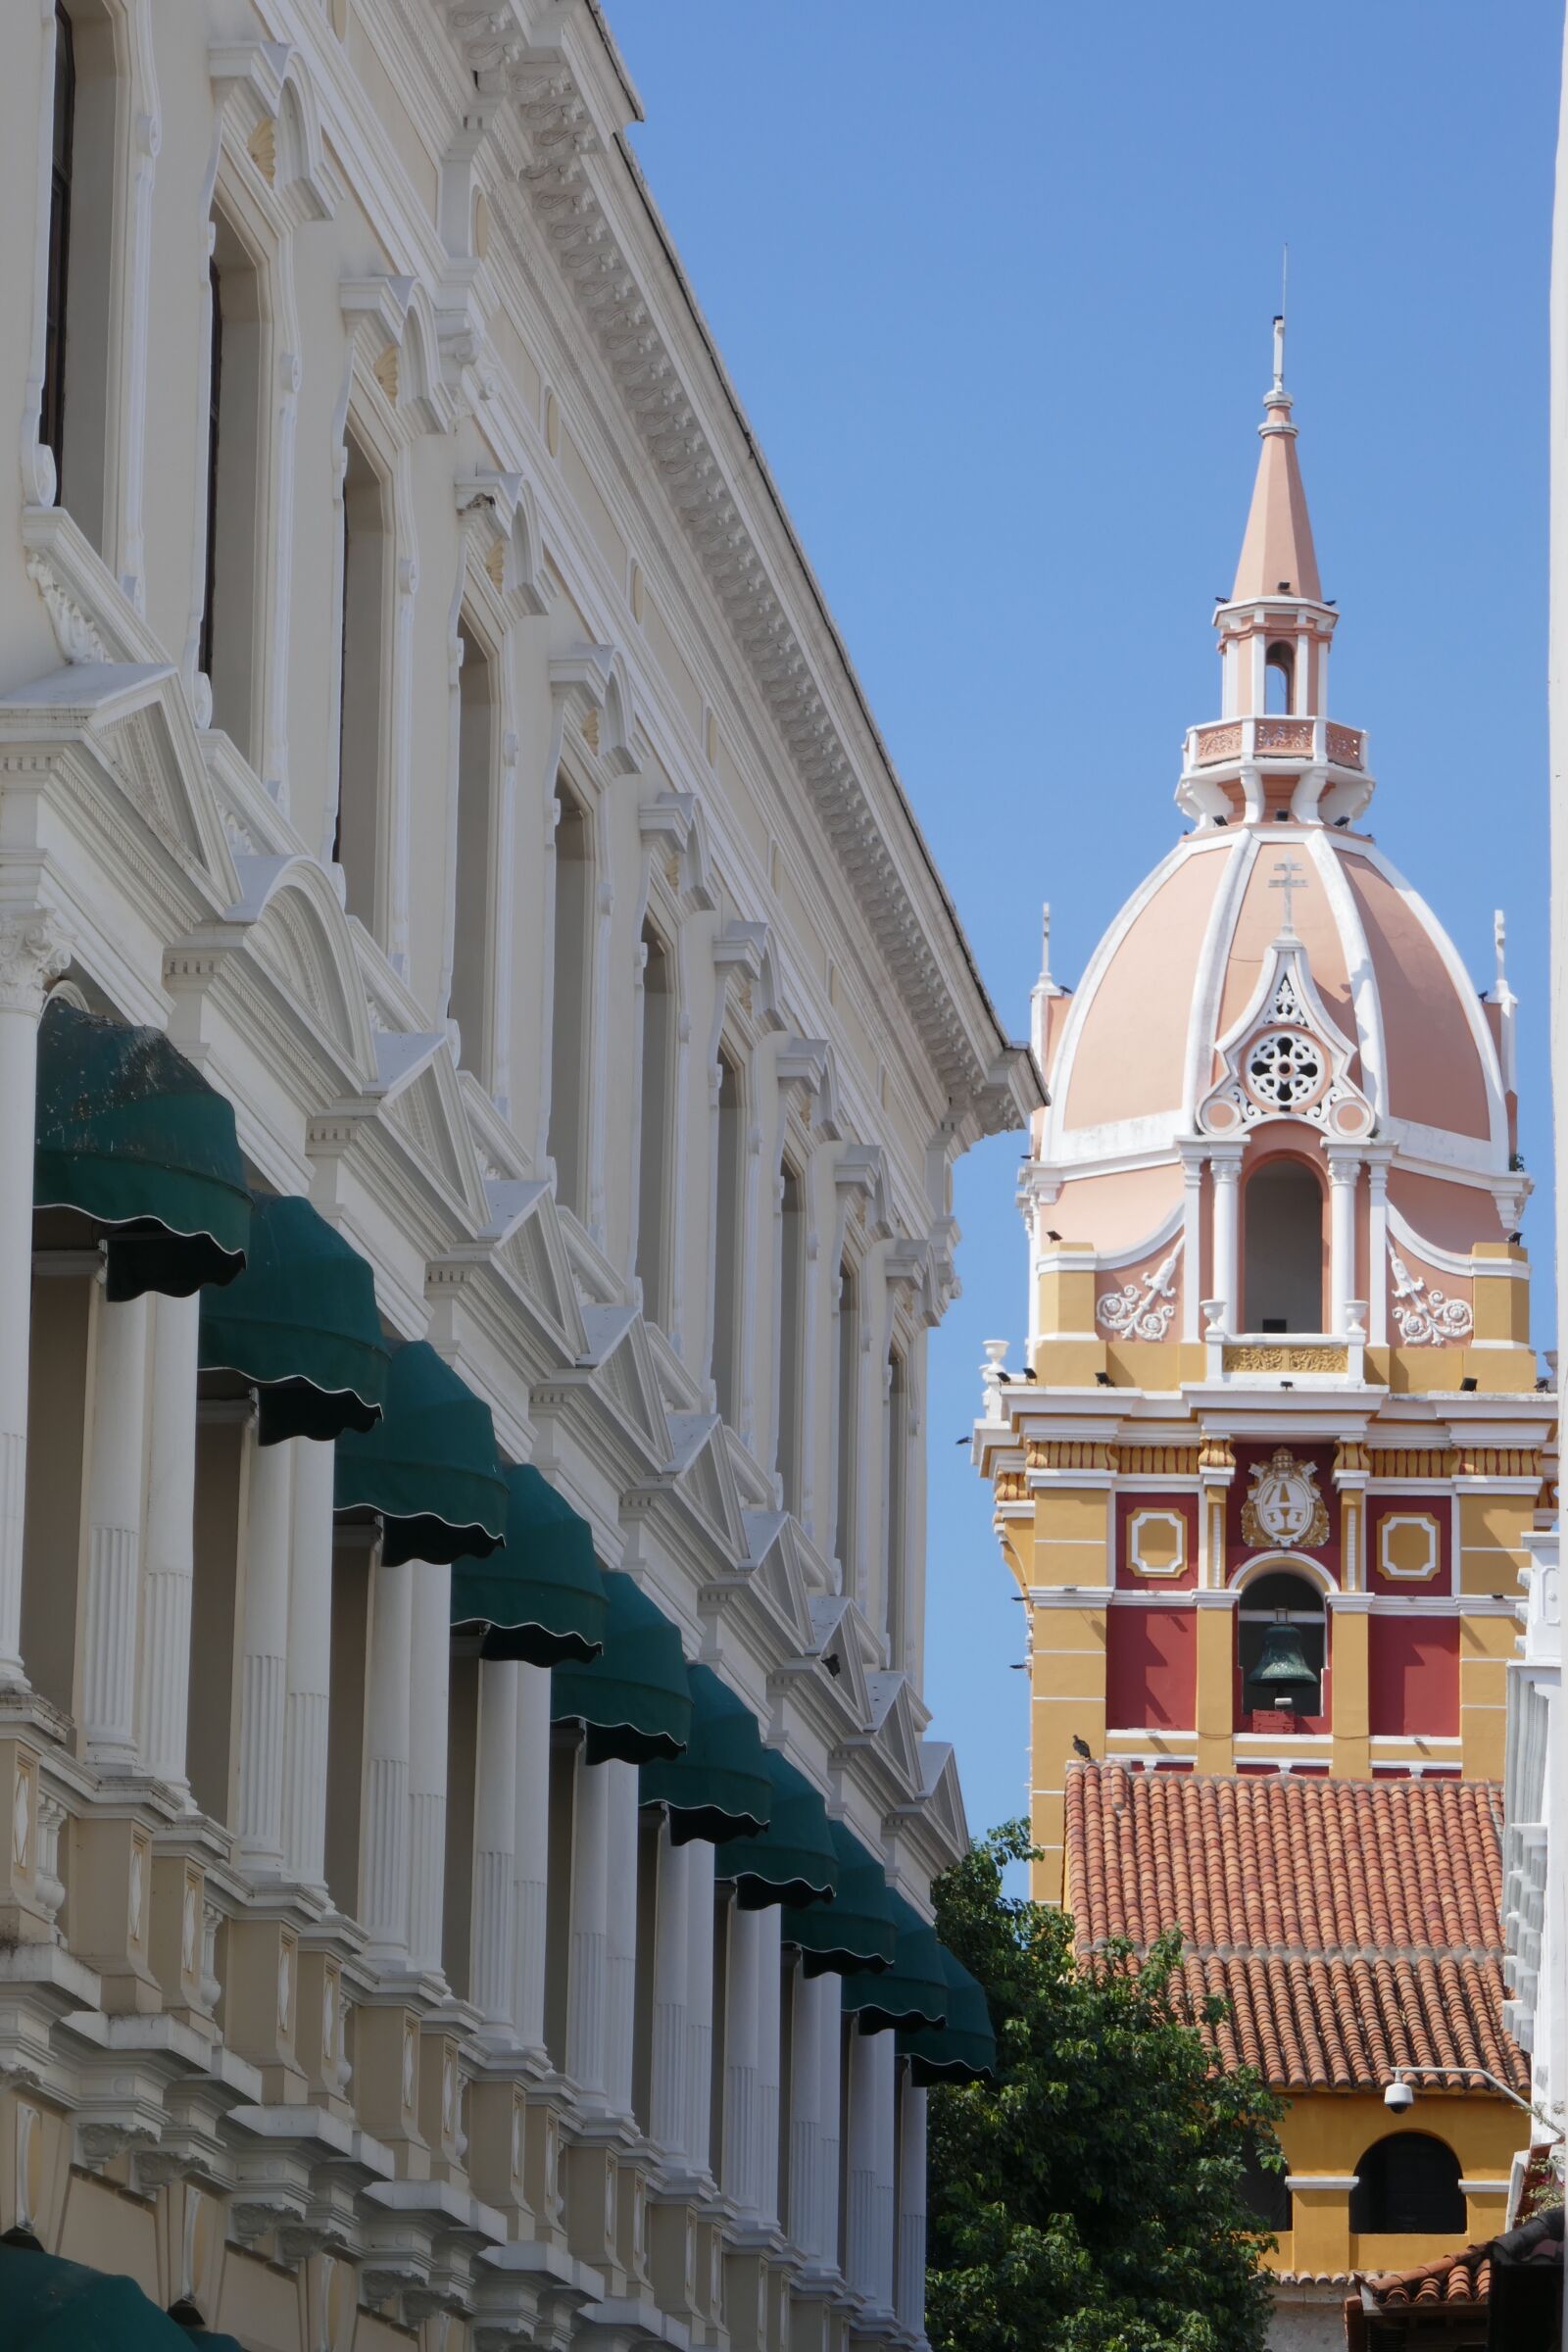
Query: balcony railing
{"x":1245,"y":739}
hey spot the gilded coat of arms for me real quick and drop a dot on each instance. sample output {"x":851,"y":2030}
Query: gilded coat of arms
{"x":1285,"y":1506}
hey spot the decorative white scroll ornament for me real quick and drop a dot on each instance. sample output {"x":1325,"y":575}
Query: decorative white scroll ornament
{"x":1142,"y":1310}
{"x":1426,"y":1318}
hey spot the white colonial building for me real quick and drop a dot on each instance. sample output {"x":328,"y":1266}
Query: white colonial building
{"x":482,"y":1050}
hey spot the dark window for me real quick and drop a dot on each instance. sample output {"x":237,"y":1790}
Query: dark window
{"x":1264,"y":2194}
{"x":1282,"y":1213}
{"x":1278,"y":677}
{"x":654,"y":1139}
{"x":1409,"y":2184}
{"x":53,"y":350}
{"x":214,"y":389}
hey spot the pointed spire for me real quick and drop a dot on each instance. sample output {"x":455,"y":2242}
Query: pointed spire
{"x":1278,"y":557}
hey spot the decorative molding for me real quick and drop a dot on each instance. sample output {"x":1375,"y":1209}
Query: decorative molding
{"x":1249,"y":1357}
{"x":1426,"y":1317}
{"x":1142,"y":1309}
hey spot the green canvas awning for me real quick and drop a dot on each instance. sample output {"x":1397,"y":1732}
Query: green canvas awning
{"x":300,"y":1323}
{"x":855,"y":1930}
{"x":541,"y":1597}
{"x":128,"y":1133}
{"x":47,"y":2305}
{"x":914,"y":1991}
{"x":633,"y":1700}
{"x":428,"y":1466}
{"x":719,"y":1789}
{"x":793,"y":1861}
{"x":964,"y":2049}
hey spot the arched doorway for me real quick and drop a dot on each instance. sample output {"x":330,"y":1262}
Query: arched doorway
{"x":1282,"y":1248}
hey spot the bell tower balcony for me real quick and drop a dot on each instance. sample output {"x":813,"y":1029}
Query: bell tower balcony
{"x":1264,"y":768}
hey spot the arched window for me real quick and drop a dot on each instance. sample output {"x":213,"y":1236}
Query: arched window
{"x":236,"y":420}
{"x":791,"y":1334}
{"x":78,"y":385}
{"x":568,"y":1044}
{"x":1409,"y":2184}
{"x":654,"y":1139}
{"x":362,"y":722}
{"x":1282,"y":1232}
{"x":1279,"y":679}
{"x":895,"y":1516}
{"x":471,"y":943}
{"x":727,"y":1238}
{"x":847,"y":1384}
{"x":1279,"y":1613}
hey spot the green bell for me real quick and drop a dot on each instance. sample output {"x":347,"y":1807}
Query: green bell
{"x":1282,"y":1661}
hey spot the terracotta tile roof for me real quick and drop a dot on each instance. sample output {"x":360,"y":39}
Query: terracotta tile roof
{"x":1455,"y":2284}
{"x":1464,"y":2277}
{"x":1352,"y":1925}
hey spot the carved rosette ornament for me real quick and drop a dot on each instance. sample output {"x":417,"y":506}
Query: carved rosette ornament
{"x":1284,"y":1506}
{"x":34,"y":950}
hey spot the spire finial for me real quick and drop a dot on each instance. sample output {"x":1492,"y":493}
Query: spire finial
{"x":1045,"y":945}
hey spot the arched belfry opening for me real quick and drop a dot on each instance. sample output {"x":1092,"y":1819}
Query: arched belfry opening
{"x":1279,"y":678}
{"x":1282,"y":1248}
{"x":1281,"y":1647}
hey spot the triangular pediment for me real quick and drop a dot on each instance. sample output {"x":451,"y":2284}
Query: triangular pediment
{"x":422,"y":1102}
{"x":703,"y":1479}
{"x":893,"y":1722}
{"x":836,"y":1639}
{"x":777,"y":1570}
{"x":940,"y":1795}
{"x":622,"y":1372}
{"x":525,"y":1225}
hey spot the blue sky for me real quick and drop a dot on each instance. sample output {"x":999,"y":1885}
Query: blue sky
{"x":994,"y":285}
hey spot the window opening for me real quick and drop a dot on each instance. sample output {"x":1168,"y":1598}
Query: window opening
{"x":215,"y":381}
{"x":848,"y":1396}
{"x":791,"y":1336}
{"x":1282,"y":1277}
{"x":366,"y":571}
{"x":652,"y":1145}
{"x":896,"y":1515}
{"x":471,"y":941}
{"x":1281,"y":1637}
{"x":727,"y":1241}
{"x":1409,"y":2184}
{"x":1279,"y":679}
{"x":53,"y":420}
{"x":569,"y":1022}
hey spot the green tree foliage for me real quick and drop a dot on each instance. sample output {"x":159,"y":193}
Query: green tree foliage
{"x":1092,"y":2201}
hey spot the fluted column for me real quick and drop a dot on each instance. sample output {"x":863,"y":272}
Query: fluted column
{"x":33,"y":953}
{"x":1377,"y":1252}
{"x":169,"y":1560}
{"x":621,"y":1986}
{"x":112,"y":1612}
{"x":830,"y":2058}
{"x":1192,"y":1242}
{"x":586,"y":2017}
{"x":309,"y":1662}
{"x":699,"y":2003}
{"x":869,"y":2218}
{"x":739,"y":2174}
{"x":670,"y":2101}
{"x":384,"y":1831}
{"x":768,"y":2060}
{"x":429,"y":1686}
{"x":531,"y":1870}
{"x":264,"y":1657}
{"x":912,"y":2208}
{"x":805,"y":2110}
{"x":1226,"y":1175}
{"x":494,"y":1969}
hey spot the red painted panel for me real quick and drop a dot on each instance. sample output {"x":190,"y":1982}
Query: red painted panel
{"x":1151,"y":1669}
{"x":1128,"y":1578}
{"x":1415,"y":1676}
{"x":1381,"y":1507}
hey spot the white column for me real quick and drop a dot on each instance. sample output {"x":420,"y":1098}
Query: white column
{"x":1377,"y":1252}
{"x":806,"y":2112}
{"x":169,"y":1562}
{"x":494,"y":1969}
{"x":1343,"y":1173}
{"x":264,"y":1656}
{"x":384,"y":1830}
{"x":309,"y":1670}
{"x":620,"y":1981}
{"x":117,"y":1438}
{"x":429,"y":1685}
{"x":1191,"y":1246}
{"x":868,"y":2232}
{"x":1226,"y":1176}
{"x":32,"y":955}
{"x":739,"y":2158}
{"x":830,"y":2052}
{"x":912,"y":2208}
{"x":531,"y":1869}
{"x":700,"y":2004}
{"x":669,"y":2090}
{"x":586,"y":2011}
{"x":769,"y":2056}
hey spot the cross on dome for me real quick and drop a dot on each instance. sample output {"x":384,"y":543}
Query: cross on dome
{"x":1290,"y":875}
